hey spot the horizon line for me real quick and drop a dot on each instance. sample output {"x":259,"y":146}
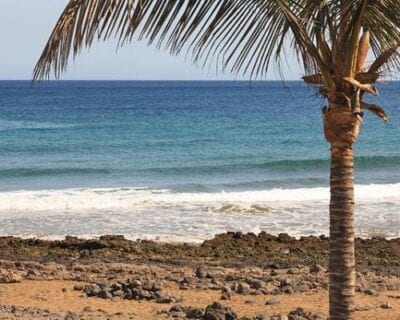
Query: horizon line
{"x":165,"y":80}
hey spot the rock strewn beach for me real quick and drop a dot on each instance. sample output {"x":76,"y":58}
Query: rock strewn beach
{"x":233,"y":276}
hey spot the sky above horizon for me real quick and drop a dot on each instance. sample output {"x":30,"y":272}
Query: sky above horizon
{"x":26,"y":25}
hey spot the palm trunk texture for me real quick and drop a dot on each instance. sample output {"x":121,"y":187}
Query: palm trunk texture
{"x":342,"y":257}
{"x":341,"y":128}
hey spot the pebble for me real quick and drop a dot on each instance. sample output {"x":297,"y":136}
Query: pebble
{"x":195,"y":313}
{"x":287,"y":289}
{"x":104,"y":294}
{"x":78,"y":287}
{"x":243,"y":288}
{"x":370,"y":292}
{"x":226,"y":296}
{"x":216,"y":311}
{"x":364,"y":308}
{"x":316,"y":268}
{"x":256,"y":284}
{"x":201,"y":272}
{"x":386,"y":305}
{"x":272,"y":301}
{"x":164,"y":299}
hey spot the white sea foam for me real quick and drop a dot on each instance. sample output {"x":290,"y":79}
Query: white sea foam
{"x":142,"y":198}
{"x":169,"y":216}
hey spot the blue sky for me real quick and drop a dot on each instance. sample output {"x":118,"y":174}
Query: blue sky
{"x":25,"y":26}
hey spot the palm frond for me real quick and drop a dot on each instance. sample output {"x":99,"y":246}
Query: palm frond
{"x":375,"y":109}
{"x":241,"y":36}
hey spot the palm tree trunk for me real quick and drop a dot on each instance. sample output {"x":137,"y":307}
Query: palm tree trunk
{"x":341,"y":128}
{"x":341,"y":258}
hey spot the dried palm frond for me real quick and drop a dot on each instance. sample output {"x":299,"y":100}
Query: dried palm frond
{"x":363,"y":48}
{"x":313,"y":79}
{"x":367,"y":87}
{"x":382,"y":59}
{"x":367,"y":77}
{"x":375,"y":109}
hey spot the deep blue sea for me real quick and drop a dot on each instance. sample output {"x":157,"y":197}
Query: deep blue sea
{"x":182,"y":161}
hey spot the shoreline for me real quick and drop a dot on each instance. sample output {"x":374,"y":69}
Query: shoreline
{"x":223,"y":248}
{"x":246,"y":276}
{"x":165,"y":240}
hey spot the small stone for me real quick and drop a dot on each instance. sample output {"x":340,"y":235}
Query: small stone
{"x":226,"y":296}
{"x":195,"y":313}
{"x":257,"y":284}
{"x":32,"y":273}
{"x":88,"y":309}
{"x":262,"y":317}
{"x":364,"y":308}
{"x":218,"y":312}
{"x":186,"y":280}
{"x":117,"y":286}
{"x":157,"y":286}
{"x":386,"y":305}
{"x":316,"y":268}
{"x":136,"y":283}
{"x":183,"y":286}
{"x":128,"y":294}
{"x":201,"y":272}
{"x":71,"y":316}
{"x":118,"y":293}
{"x":78,"y":287}
{"x":104,"y":294}
{"x":176,"y":309}
{"x":303,"y":287}
{"x":370,"y":292}
{"x":286,"y":282}
{"x":287,"y":290}
{"x":92,"y":290}
{"x":272,"y":301}
{"x":164,"y":299}
{"x":293,"y":271}
{"x":243,"y":288}
{"x":144,"y":294}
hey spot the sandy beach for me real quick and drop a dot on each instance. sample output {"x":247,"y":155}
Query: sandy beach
{"x":233,"y":276}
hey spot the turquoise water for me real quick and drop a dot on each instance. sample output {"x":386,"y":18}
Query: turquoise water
{"x":200,"y":157}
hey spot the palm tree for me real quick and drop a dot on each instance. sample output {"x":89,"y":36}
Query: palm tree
{"x":331,"y":38}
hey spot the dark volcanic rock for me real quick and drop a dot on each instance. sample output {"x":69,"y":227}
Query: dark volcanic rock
{"x":104,"y":294}
{"x":230,"y":249}
{"x":217,"y":311}
{"x":201,"y":272}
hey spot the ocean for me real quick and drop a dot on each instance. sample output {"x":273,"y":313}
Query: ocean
{"x":183,"y":160}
